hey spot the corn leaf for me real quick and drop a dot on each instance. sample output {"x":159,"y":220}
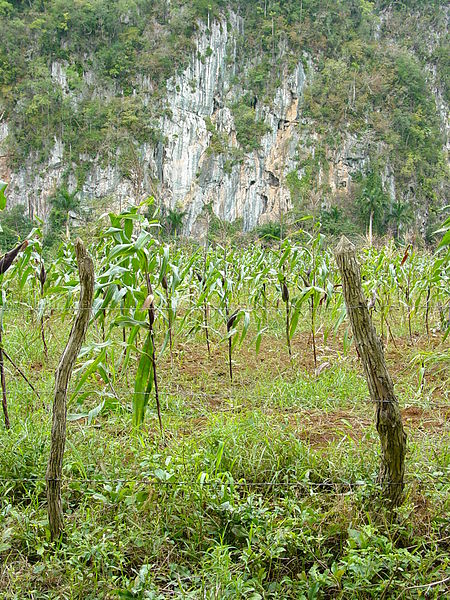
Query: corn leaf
{"x":143,"y":383}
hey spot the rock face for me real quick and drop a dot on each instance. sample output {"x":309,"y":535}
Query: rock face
{"x":192,"y":176}
{"x":186,"y":171}
{"x":189,"y":175}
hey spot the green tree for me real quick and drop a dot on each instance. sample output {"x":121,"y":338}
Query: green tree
{"x":269,"y":231}
{"x":249,"y":129}
{"x":372,"y":202}
{"x":174,"y":220}
{"x":400,"y":215}
{"x":15,"y":225}
{"x":335,"y":222}
{"x":62,"y":203}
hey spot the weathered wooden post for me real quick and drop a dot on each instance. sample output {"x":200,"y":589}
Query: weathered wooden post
{"x":62,"y":378}
{"x":388,"y":417}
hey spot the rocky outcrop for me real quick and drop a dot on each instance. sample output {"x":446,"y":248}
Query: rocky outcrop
{"x":188,"y":175}
{"x":193,"y":176}
{"x":185,"y":170}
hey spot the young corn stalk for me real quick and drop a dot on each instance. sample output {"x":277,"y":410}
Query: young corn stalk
{"x":203,"y":280}
{"x":35,"y":252}
{"x":5,"y":262}
{"x":167,"y":294}
{"x":146,"y":375}
{"x":42,"y":280}
{"x":150,"y":306}
{"x":126,"y":261}
{"x":165,"y":287}
{"x":406,"y":272}
{"x":203,"y":300}
{"x":317,"y":288}
{"x":442,"y":267}
{"x":287,"y":258}
{"x":230,"y":322}
{"x":224,"y":291}
{"x":227,"y":286}
{"x":285,"y":298}
{"x":173,"y":276}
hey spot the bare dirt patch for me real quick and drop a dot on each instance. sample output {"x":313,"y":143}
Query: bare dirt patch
{"x":321,"y":428}
{"x":204,"y":385}
{"x":433,"y":420}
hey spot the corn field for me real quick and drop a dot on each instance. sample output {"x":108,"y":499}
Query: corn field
{"x":213,"y":437}
{"x":151,"y":296}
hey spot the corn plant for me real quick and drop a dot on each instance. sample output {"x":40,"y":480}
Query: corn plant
{"x":314,"y":284}
{"x":281,"y":273}
{"x":442,"y":267}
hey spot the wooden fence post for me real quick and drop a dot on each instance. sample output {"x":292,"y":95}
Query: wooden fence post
{"x":388,"y":417}
{"x":62,"y":378}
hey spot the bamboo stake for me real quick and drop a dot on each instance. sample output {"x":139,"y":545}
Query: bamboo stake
{"x":151,"y":320}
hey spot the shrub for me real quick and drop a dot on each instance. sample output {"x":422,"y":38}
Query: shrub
{"x":15,"y":225}
{"x":249,"y":129}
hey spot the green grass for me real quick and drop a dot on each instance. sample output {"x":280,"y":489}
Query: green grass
{"x":263,"y":489}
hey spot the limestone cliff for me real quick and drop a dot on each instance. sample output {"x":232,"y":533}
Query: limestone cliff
{"x":181,"y":171}
{"x":198,"y":161}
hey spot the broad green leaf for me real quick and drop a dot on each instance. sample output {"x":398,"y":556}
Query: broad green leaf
{"x":128,"y":321}
{"x":129,"y":346}
{"x":445,"y":240}
{"x":144,"y":239}
{"x":164,"y":263}
{"x":143,"y":382}
{"x":294,"y":319}
{"x":245,"y":326}
{"x":89,"y":368}
{"x":94,"y":412}
{"x":128,"y":228}
{"x":122,"y":250}
{"x":3,"y":186}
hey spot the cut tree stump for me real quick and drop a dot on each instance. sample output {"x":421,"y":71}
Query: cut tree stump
{"x":62,"y":378}
{"x":388,"y":417}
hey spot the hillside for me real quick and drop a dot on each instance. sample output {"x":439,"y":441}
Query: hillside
{"x":255,"y":109}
